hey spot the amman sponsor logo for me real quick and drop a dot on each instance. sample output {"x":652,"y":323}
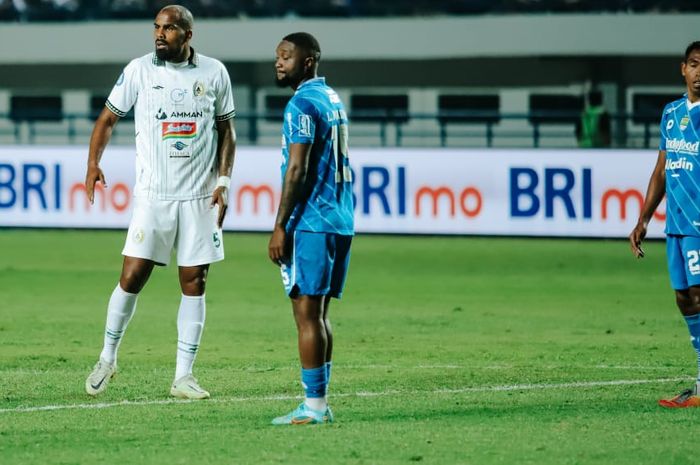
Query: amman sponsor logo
{"x":186,"y":114}
{"x":680,"y":164}
{"x":682,"y":146}
{"x":179,"y":130}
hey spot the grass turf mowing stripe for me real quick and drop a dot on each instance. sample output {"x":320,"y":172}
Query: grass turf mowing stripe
{"x":511,"y":387}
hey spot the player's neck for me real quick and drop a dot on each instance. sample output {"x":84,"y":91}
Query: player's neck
{"x":305,"y":79}
{"x":693,"y":98}
{"x":184,"y":56}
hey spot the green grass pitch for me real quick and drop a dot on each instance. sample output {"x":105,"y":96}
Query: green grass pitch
{"x":448,"y":351}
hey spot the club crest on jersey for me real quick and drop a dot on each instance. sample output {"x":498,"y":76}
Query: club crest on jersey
{"x":138,"y":236}
{"x":198,"y":89}
{"x":179,"y":130}
{"x":684,"y":123}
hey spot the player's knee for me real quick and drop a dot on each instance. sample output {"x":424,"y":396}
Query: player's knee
{"x":132,"y":281}
{"x":684,"y":302}
{"x":307,"y":315}
{"x":193,"y":285}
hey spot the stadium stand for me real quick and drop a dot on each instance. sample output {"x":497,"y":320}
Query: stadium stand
{"x":62,"y":10}
{"x":462,"y":85}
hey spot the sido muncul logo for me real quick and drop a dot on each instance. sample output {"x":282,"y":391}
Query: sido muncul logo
{"x":217,"y":241}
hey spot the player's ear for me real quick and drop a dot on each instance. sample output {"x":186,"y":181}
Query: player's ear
{"x":683,"y":68}
{"x":188,"y":35}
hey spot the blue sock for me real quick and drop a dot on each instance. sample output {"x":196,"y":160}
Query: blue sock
{"x":693,"y":323}
{"x":328,"y":372}
{"x":314,"y":382}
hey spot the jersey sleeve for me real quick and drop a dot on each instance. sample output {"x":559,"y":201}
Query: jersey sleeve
{"x":300,"y":118}
{"x":663,"y":130}
{"x":125,"y":91}
{"x":224,"y":106}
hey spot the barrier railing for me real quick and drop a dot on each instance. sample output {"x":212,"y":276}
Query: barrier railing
{"x":383,"y":128}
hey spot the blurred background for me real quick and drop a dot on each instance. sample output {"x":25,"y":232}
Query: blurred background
{"x":450,"y":73}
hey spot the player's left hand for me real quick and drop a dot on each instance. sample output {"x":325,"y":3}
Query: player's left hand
{"x":220,"y":198}
{"x":275,"y":248}
{"x":636,"y":237}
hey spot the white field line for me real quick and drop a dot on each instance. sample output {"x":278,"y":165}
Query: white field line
{"x":263,"y":369}
{"x":226,"y":400}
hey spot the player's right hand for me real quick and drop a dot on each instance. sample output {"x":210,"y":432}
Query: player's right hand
{"x":276,"y":246}
{"x":636,"y":237}
{"x":94,"y":174}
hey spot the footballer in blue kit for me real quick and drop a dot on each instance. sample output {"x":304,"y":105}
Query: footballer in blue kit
{"x":314,"y":224}
{"x":677,"y":176}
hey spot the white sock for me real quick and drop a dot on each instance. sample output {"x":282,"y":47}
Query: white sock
{"x":190,"y":324}
{"x":316,"y":403}
{"x":120,"y":309}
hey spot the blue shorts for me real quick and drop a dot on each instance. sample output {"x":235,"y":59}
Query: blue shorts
{"x":318,"y":264}
{"x":683,"y":254}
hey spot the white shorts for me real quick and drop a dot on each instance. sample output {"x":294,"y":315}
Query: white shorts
{"x":188,"y":226}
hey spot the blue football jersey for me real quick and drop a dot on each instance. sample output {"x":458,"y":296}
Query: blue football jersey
{"x":315,"y":115}
{"x":680,"y":126}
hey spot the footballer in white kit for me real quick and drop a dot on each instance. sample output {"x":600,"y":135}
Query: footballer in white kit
{"x":185,"y":145}
{"x":176,"y":106}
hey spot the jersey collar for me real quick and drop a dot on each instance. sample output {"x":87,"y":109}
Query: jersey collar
{"x":310,"y":82}
{"x":690,"y":106}
{"x":192,"y":62}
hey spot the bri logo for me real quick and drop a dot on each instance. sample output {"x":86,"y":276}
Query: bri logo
{"x":680,"y":164}
{"x":179,"y":130}
{"x":681,"y":146}
{"x":179,"y":145}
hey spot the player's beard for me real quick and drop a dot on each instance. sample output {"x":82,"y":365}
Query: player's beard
{"x":169,"y":53}
{"x":283,"y":82}
{"x":165,"y":54}
{"x":291,"y":78}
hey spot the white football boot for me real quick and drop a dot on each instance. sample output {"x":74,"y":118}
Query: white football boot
{"x":98,"y":380}
{"x":188,"y":388}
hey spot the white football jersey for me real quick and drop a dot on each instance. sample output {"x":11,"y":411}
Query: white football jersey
{"x":176,"y":106}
